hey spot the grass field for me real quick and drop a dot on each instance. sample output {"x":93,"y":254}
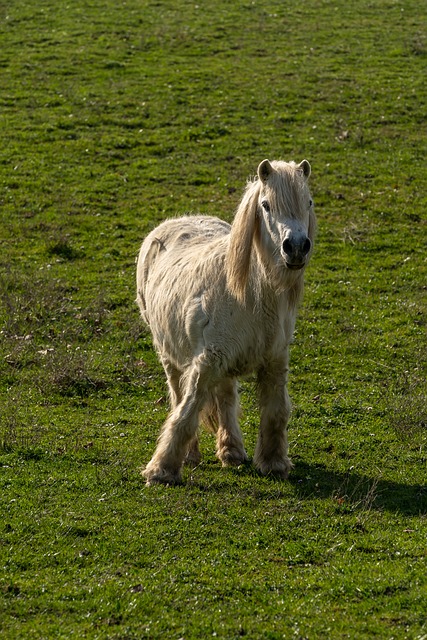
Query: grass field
{"x":113,"y":116}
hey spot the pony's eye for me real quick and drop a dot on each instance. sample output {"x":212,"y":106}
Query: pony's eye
{"x":310,"y":204}
{"x":266,"y":206}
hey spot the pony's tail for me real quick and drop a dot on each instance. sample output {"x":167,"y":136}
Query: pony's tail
{"x":147,"y":256}
{"x":239,"y":250}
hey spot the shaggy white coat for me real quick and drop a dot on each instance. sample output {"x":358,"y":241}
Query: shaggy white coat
{"x":221,"y":302}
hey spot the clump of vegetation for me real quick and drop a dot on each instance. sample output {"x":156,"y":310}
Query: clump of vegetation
{"x":63,"y":249}
{"x":408,"y":408}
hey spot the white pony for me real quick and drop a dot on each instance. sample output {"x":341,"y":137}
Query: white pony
{"x":221,"y":302}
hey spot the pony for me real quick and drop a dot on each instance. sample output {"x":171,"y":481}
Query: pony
{"x":221,"y":302}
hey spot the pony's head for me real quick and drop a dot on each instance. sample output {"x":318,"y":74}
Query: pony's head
{"x":276,"y":215}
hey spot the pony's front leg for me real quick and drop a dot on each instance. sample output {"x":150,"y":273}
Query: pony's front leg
{"x":271,"y":452}
{"x":173,"y":375}
{"x":178,"y":431}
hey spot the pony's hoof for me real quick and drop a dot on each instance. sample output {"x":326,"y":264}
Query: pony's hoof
{"x":158,"y":475}
{"x":193,"y":457}
{"x":232,"y":457}
{"x":192,"y":460}
{"x":275,"y":468}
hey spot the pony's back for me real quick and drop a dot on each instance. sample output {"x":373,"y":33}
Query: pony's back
{"x":182,"y":233}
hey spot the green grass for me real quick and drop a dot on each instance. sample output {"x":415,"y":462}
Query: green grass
{"x":114,"y":116}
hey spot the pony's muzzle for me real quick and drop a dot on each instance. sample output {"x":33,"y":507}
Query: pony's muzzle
{"x":295,"y":250}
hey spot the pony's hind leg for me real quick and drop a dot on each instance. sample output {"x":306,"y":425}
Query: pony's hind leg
{"x":230,"y":448}
{"x":271,"y":452}
{"x":180,"y":428}
{"x":193,"y":457}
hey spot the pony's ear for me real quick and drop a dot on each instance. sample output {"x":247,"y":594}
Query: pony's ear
{"x":264,"y":170}
{"x":306,"y":169}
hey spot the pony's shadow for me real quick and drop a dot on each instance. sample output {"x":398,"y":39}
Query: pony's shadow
{"x":351,"y":490}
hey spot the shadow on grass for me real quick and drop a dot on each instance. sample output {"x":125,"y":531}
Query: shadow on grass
{"x":351,"y":491}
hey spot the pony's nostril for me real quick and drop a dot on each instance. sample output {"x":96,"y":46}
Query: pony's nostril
{"x":293,"y":247}
{"x":287,"y":247}
{"x":306,"y":246}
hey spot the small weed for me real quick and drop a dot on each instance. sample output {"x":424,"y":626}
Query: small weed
{"x":408,"y":411}
{"x":29,"y":302}
{"x":418,"y":44}
{"x":359,"y":497}
{"x":64,"y":250}
{"x":19,"y":428}
{"x":72,"y":373}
